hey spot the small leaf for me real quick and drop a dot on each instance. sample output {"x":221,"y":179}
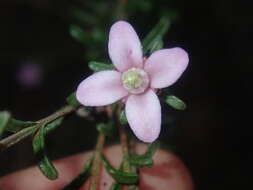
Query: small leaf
{"x":81,"y":178}
{"x":77,"y":33}
{"x":15,"y":125}
{"x":159,"y":30}
{"x":175,"y":102}
{"x":116,"y":186}
{"x":98,"y":66}
{"x":152,"y":149}
{"x":4,"y":119}
{"x":71,"y":100}
{"x":158,"y":44}
{"x":140,"y":161}
{"x":98,"y":35}
{"x":119,"y":175}
{"x":146,"y":159}
{"x":107,"y":129}
{"x":15,"y":138}
{"x":83,"y":16}
{"x":123,"y":118}
{"x":53,"y":125}
{"x":45,"y":165}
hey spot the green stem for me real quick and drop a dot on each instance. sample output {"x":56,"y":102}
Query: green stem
{"x":96,"y":165}
{"x":125,"y":149}
{"x":22,"y":134}
{"x":61,"y":112}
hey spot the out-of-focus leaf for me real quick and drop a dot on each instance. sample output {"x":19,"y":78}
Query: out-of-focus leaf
{"x":175,"y":102}
{"x":44,"y":163}
{"x":98,"y":66}
{"x":107,"y":129}
{"x":123,"y":118}
{"x":116,"y":186}
{"x":146,"y":159}
{"x":140,"y":161}
{"x":152,"y":149}
{"x":4,"y":119}
{"x":83,"y":16}
{"x":71,"y":100}
{"x":53,"y":125}
{"x":15,"y":138}
{"x":98,"y":35}
{"x":158,"y":44}
{"x":158,"y":31}
{"x":78,"y":34}
{"x":15,"y":125}
{"x":81,"y":178}
{"x":119,"y":175}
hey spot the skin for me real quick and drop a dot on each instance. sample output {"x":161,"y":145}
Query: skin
{"x":168,"y":172}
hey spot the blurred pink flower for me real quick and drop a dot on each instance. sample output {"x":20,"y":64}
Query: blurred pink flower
{"x":135,"y":80}
{"x":29,"y":75}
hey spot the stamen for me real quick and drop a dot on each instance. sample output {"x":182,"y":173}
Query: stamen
{"x":135,"y":80}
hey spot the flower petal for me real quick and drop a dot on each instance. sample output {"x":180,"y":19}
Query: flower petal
{"x":144,"y":115}
{"x":124,"y":46}
{"x":101,"y":88}
{"x":166,"y":66}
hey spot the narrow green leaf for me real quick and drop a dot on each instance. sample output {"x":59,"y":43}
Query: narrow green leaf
{"x":83,"y":16}
{"x":140,"y":161}
{"x":119,"y":175}
{"x":77,"y":33}
{"x":53,"y":125}
{"x":116,"y":186}
{"x":152,"y":149}
{"x":146,"y":159}
{"x":123,"y":118}
{"x":71,"y":100}
{"x":151,"y":39}
{"x":157,"y":44}
{"x":15,"y":125}
{"x":45,"y":165}
{"x":175,"y":102}
{"x":15,"y":138}
{"x":81,"y":178}
{"x":98,"y":66}
{"x":107,"y":129}
{"x":4,"y":119}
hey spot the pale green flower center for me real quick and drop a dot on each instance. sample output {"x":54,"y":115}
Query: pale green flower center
{"x":132,"y":79}
{"x":135,"y":80}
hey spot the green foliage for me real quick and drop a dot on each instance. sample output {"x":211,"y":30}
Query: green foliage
{"x":118,"y":175}
{"x":116,"y":186}
{"x":81,"y":178}
{"x":146,"y":159}
{"x":15,"y":125}
{"x":175,"y":102}
{"x":153,"y":40}
{"x":53,"y":125}
{"x":157,"y":44}
{"x":107,"y":129}
{"x":83,"y":16}
{"x":4,"y":119}
{"x":123,"y":118}
{"x":78,"y":34}
{"x":98,"y":66}
{"x":71,"y":100}
{"x":17,"y":137}
{"x":140,"y":5}
{"x":44,"y":163}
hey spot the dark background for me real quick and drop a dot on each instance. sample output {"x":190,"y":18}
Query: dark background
{"x":213,"y":136}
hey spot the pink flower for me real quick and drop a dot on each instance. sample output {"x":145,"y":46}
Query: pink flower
{"x":134,"y":80}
